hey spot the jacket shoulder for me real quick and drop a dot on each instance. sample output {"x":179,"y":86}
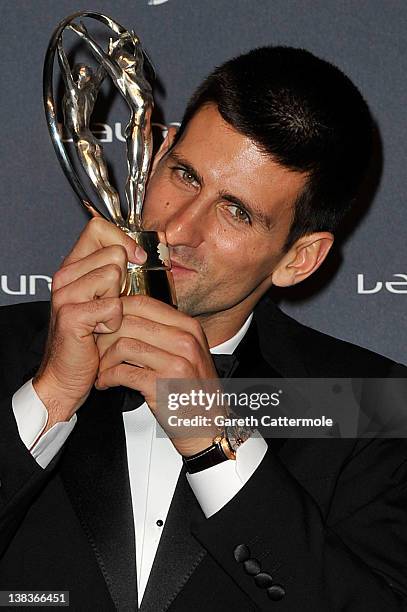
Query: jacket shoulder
{"x":326,"y":356}
{"x":353,"y":359}
{"x":19,"y":325}
{"x":24,"y":317}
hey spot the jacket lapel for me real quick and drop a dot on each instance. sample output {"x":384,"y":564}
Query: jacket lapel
{"x":178,"y":553}
{"x":95,"y":475}
{"x":277,"y":342}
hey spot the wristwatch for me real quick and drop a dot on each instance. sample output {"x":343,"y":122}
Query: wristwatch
{"x":223,"y":447}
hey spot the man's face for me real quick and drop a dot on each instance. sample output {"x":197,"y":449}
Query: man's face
{"x":226,"y":209}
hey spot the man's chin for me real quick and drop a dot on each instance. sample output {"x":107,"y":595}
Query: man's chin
{"x":185,"y":295}
{"x":191,"y":298}
{"x":184,"y":305}
{"x":188,"y":304}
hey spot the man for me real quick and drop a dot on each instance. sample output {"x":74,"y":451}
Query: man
{"x":249,"y":193}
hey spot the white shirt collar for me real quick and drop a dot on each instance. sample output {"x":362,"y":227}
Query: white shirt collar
{"x":228,"y":347}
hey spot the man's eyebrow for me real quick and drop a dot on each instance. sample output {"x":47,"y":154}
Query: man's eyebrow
{"x":178,"y":159}
{"x":262,"y":217}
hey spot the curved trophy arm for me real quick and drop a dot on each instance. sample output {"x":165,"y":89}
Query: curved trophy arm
{"x":50,"y":107}
{"x":125,"y":65}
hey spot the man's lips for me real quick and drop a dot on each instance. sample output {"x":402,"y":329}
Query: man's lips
{"x":179,"y":266}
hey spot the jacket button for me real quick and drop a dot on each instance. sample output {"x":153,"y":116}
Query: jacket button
{"x":252,"y":567}
{"x":263,"y":580}
{"x":241,"y":553}
{"x":276,"y":592}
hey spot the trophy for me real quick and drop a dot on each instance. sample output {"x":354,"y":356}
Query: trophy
{"x":131,"y":71}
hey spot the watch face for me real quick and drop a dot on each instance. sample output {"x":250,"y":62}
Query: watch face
{"x":237,"y":435}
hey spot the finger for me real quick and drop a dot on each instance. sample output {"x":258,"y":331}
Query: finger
{"x":140,"y":379}
{"x":76,"y":322}
{"x":114,"y":254}
{"x":100,"y":233}
{"x":154,"y":310}
{"x":173,"y":340}
{"x":103,"y":282}
{"x":145,"y":355}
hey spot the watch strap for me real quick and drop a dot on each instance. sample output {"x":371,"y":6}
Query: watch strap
{"x":218,"y":452}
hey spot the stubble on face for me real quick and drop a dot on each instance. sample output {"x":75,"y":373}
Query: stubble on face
{"x":190,"y":286}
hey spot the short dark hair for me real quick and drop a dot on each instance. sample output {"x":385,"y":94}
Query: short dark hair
{"x":307,"y":115}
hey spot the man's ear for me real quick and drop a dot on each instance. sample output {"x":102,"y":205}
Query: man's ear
{"x":165,"y":146}
{"x":303,"y":259}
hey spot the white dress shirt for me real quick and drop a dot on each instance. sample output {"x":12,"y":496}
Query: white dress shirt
{"x":154,"y":464}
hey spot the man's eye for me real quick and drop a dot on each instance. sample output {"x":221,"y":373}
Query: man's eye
{"x":239,"y":215}
{"x":183,"y":175}
{"x":187,"y":176}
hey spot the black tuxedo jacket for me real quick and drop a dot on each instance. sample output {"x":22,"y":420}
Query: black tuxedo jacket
{"x":326,"y":519}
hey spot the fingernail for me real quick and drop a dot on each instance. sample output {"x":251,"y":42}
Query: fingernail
{"x":140,"y":254}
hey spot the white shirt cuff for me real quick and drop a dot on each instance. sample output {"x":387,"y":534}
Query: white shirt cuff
{"x":31,"y":417}
{"x":217,"y":485}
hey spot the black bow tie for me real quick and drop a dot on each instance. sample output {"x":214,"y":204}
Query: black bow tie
{"x":225,"y":364}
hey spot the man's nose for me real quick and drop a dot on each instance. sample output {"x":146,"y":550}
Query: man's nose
{"x":186,"y":225}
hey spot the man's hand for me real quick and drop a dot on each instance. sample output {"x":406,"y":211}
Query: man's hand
{"x":156,"y":341}
{"x":85,"y":301}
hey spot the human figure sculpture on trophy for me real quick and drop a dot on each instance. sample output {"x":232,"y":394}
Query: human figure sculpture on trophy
{"x":82,"y":85}
{"x":125,"y":63}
